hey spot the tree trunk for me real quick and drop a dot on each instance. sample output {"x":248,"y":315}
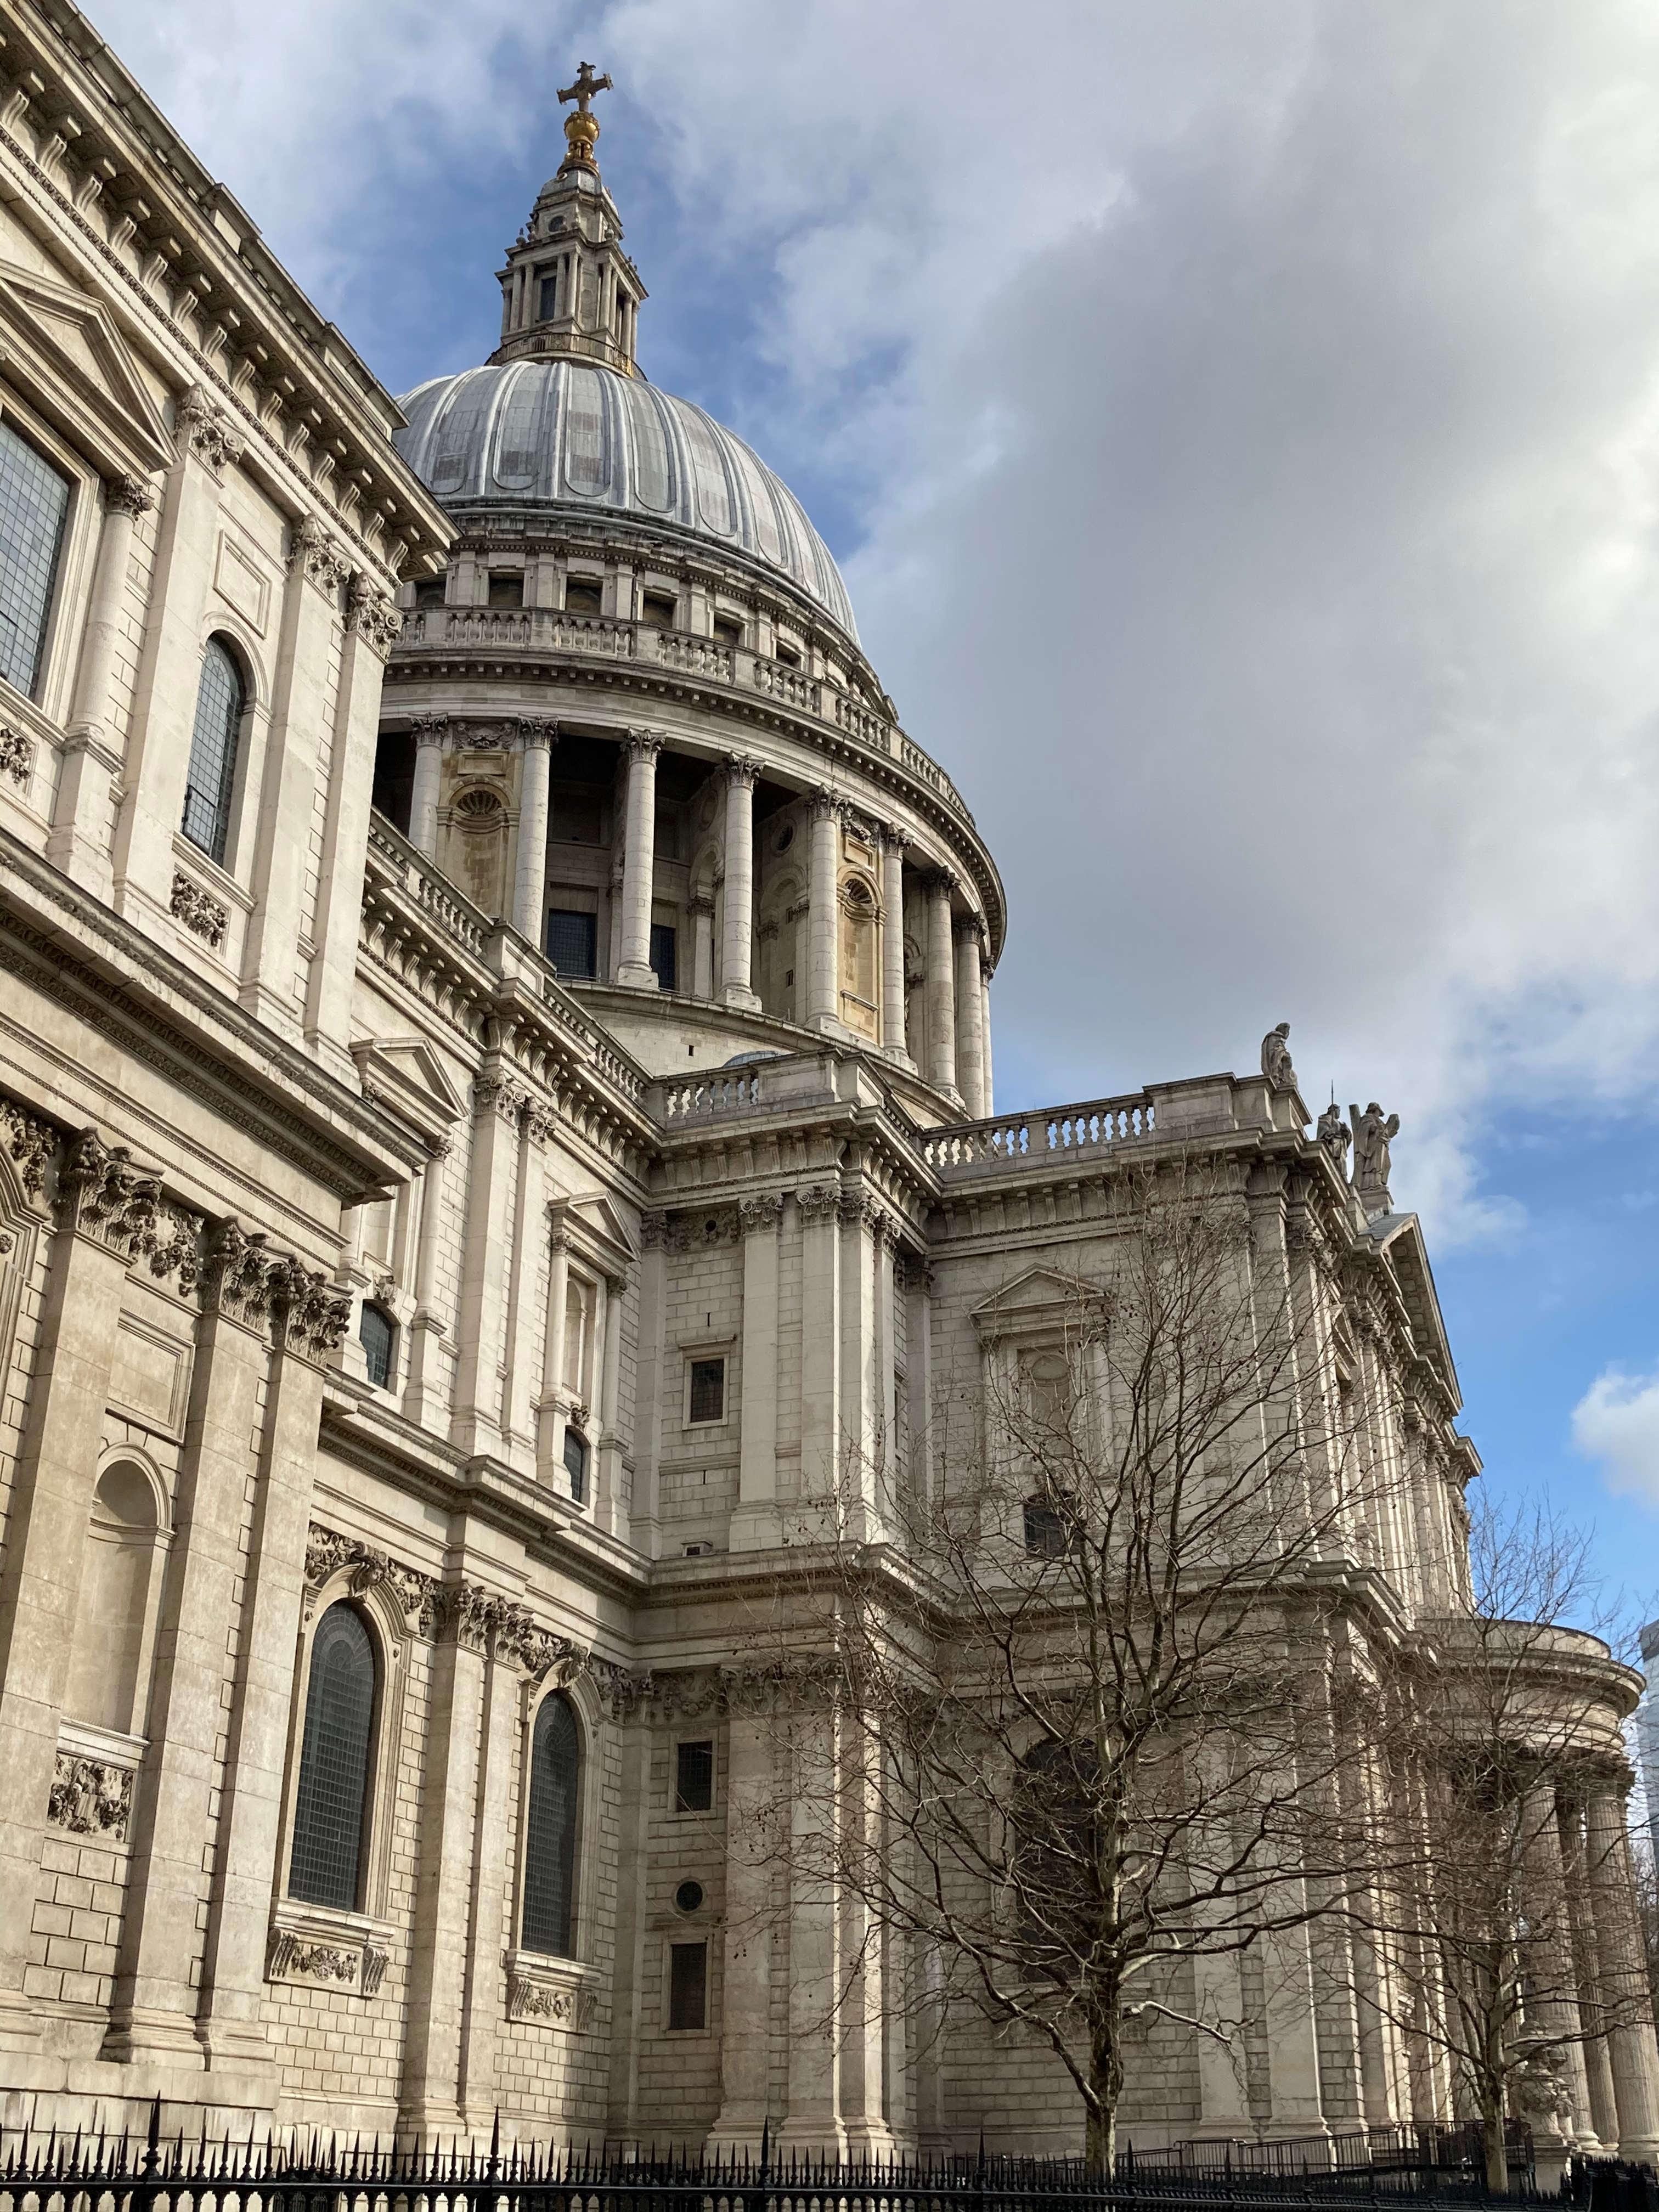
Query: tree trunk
{"x":1498,"y":2151}
{"x":1105,"y":2087}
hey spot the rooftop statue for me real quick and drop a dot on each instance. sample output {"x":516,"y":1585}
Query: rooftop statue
{"x":1276,"y":1058}
{"x":1371,"y":1138}
{"x":1333,"y":1134}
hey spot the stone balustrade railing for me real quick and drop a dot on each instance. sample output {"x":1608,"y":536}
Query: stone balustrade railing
{"x":1013,"y":1140}
{"x":722,"y":1092}
{"x":549,"y":629}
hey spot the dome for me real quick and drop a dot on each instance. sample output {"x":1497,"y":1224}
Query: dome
{"x":574,"y":435}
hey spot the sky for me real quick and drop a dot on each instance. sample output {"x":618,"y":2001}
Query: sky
{"x":1239,"y":430}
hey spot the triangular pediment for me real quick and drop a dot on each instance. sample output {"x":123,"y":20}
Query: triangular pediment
{"x":64,"y":348}
{"x":406,"y":1074}
{"x":597,"y":1223}
{"x":1039,"y":1297}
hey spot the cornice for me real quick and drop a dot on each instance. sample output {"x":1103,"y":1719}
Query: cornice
{"x":232,"y":280}
{"x":66,"y":944}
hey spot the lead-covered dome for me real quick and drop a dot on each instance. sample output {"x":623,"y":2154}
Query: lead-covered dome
{"x":574,"y":435}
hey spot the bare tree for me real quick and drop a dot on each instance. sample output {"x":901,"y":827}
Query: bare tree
{"x":1498,"y":1924}
{"x":1087,"y":1755}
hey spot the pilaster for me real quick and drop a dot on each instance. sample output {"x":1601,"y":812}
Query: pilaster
{"x":818,"y":1209}
{"x":498,"y":1104}
{"x":754,"y":1523}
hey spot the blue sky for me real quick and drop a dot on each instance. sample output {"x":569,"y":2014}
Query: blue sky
{"x":1240,"y":431}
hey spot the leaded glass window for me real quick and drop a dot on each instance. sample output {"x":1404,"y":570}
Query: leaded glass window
{"x":549,"y":1869}
{"x":576,"y":1463}
{"x":688,"y":1985}
{"x":34,"y":505}
{"x":573,"y":943}
{"x":376,"y":1333}
{"x":220,"y":701}
{"x":333,"y":1792}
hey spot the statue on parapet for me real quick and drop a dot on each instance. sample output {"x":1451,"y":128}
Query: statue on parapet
{"x":1333,"y":1134}
{"x":1276,"y":1058}
{"x":1372,"y":1135}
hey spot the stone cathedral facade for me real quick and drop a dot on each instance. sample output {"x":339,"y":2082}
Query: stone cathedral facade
{"x":496,"y":1092}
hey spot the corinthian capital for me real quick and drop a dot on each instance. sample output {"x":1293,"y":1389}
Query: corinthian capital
{"x":642,"y":745}
{"x":742,"y":772}
{"x":128,"y":494}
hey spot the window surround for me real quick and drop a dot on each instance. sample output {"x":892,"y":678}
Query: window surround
{"x":367,"y":1926}
{"x":712,"y":1810}
{"x":543,"y":1990}
{"x":693,"y":1349}
{"x":253,"y":734}
{"x":671,"y":1936}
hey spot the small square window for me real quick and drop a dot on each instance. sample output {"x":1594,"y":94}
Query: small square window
{"x":584,"y":595}
{"x":693,"y":1777}
{"x":788,"y":656}
{"x":662,"y":954}
{"x":506,"y":591}
{"x":728,"y":632}
{"x":659,"y":610}
{"x":707,"y":1400}
{"x":429,"y":591}
{"x":688,"y":1985}
{"x":1047,"y":1535}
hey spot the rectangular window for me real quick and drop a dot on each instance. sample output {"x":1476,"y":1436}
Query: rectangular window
{"x":707,"y":1391}
{"x":583,"y":595}
{"x":34,"y":505}
{"x":429,"y":591}
{"x":572,"y":944}
{"x":506,"y":591}
{"x":693,"y":1777}
{"x":688,"y":1985}
{"x":548,"y":305}
{"x":728,"y":632}
{"x":576,"y":1464}
{"x":576,"y":817}
{"x":662,"y":955}
{"x":788,"y":656}
{"x":659,"y":610}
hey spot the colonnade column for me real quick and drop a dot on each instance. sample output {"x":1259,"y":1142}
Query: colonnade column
{"x":535,"y":793}
{"x":970,"y":1015}
{"x":1598,"y":2069}
{"x":1554,"y":1999}
{"x":638,"y":861}
{"x":987,"y":1084}
{"x":79,"y":843}
{"x":429,"y":778}
{"x":737,"y":936}
{"x":1623,"y":1979}
{"x":892,"y":944}
{"x":941,"y":984}
{"x":823,"y":967}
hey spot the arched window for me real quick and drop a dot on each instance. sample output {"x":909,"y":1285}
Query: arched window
{"x":377,"y":1333}
{"x":576,"y":1463}
{"x":549,"y":1856}
{"x":333,"y":1792}
{"x":221,"y":699}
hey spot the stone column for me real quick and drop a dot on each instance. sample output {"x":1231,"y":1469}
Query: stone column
{"x":822,"y":999}
{"x":608,"y":1509}
{"x":702,"y":904}
{"x":79,"y":842}
{"x":746,"y":1980}
{"x":474,"y":1419}
{"x":941,"y":983}
{"x":820,"y":1339}
{"x":372,"y":625}
{"x":892,"y":944}
{"x":970,"y":1016}
{"x":886,"y":1367}
{"x":639,"y":862}
{"x":535,"y":793}
{"x":1553,"y":2001}
{"x":987,"y":1085}
{"x":813,"y":2122}
{"x":754,"y":1523}
{"x":420,"y":1393}
{"x":310,"y":1320}
{"x":1598,"y":2069}
{"x":550,"y":1433}
{"x":157,"y":754}
{"x":918,"y":1370}
{"x":428,"y":780}
{"x":520,"y":1389}
{"x":478,"y":2091}
{"x":154,"y":2004}
{"x":1622,"y":1976}
{"x":428,"y":2098}
{"x":613,"y":921}
{"x":737,"y":935}
{"x":98,"y":1195}
{"x":1218,"y":2000}
{"x":862,"y":1219}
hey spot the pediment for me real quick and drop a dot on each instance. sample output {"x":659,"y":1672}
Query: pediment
{"x":406,"y":1075}
{"x":62,"y":346}
{"x":1039,"y":1296}
{"x":599,"y":1224}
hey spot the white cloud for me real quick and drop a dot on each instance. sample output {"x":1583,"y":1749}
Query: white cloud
{"x":1617,"y":1422}
{"x":1252,"y":417}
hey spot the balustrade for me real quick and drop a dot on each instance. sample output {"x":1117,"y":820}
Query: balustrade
{"x":720,"y":1093}
{"x":549,"y":629}
{"x":1025,"y":1137}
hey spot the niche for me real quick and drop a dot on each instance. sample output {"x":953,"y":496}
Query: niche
{"x":858,"y":957}
{"x":109,"y":1660}
{"x":478,"y":847}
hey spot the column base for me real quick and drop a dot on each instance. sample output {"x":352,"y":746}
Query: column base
{"x":20,"y":2024}
{"x":140,"y":2033}
{"x":745,"y":1001}
{"x":637,"y":975}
